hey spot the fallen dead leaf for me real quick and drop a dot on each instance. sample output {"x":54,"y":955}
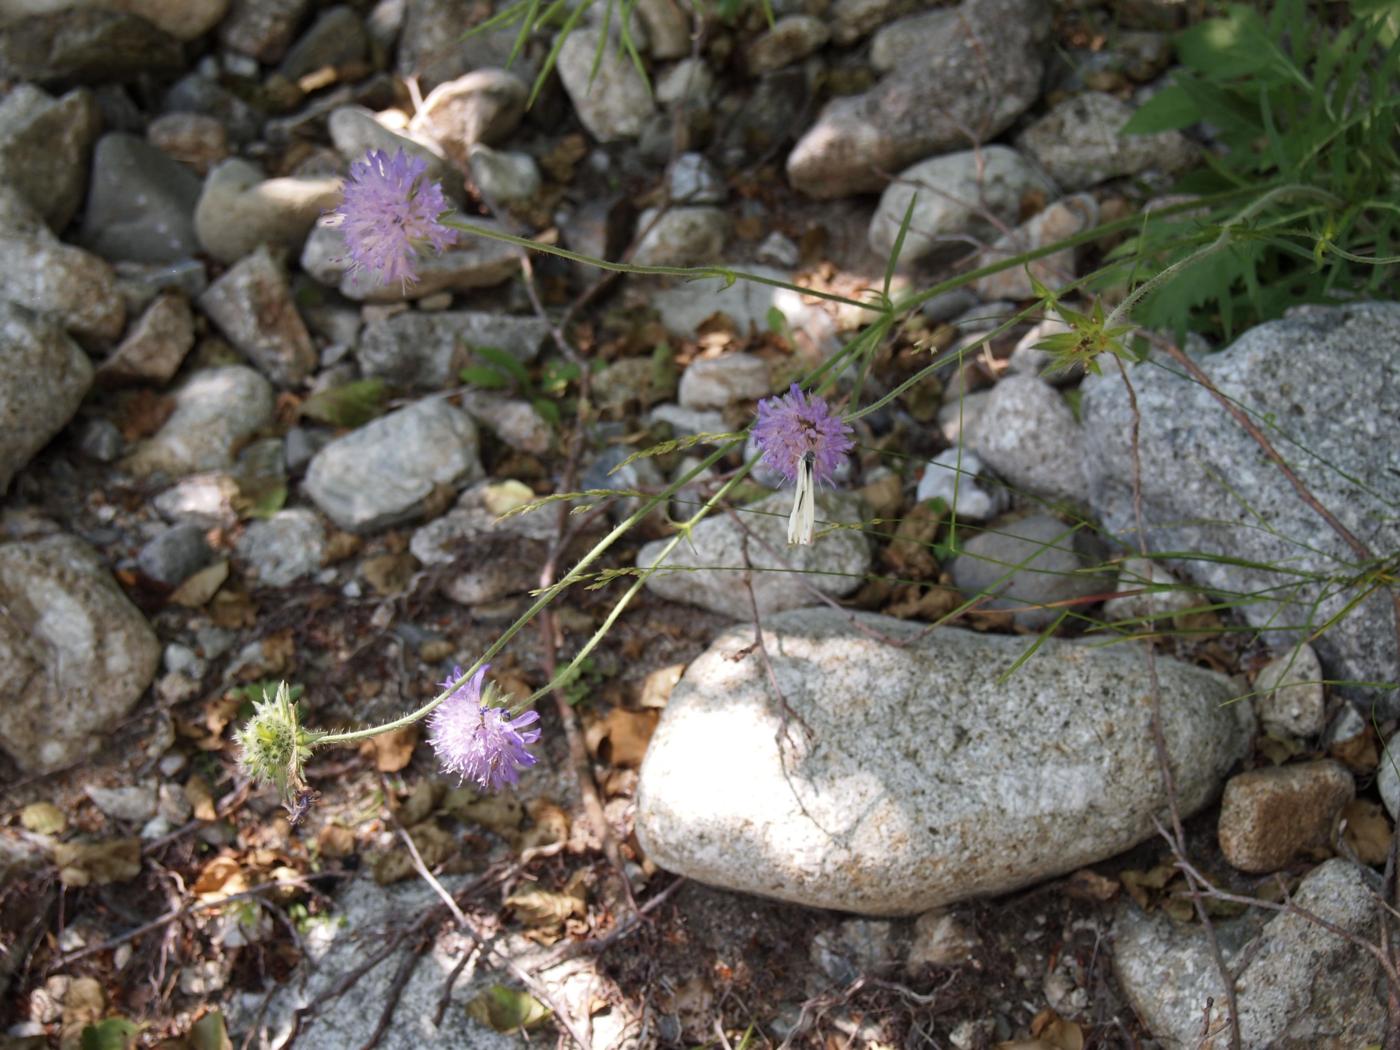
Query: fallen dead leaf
{"x":43,"y":818}
{"x":392,"y":751}
{"x":200,"y":797}
{"x":1366,"y":830}
{"x":622,"y":737}
{"x":657,"y":686}
{"x":335,"y":841}
{"x":1359,"y":754}
{"x":1091,"y":886}
{"x":198,"y":589}
{"x":549,"y":825}
{"x":221,"y":877}
{"x":390,"y":574}
{"x":97,"y":863}
{"x":1144,"y":886}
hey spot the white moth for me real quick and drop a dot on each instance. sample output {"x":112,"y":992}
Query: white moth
{"x":802,"y":522}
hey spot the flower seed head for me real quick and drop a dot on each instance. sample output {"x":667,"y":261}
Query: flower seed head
{"x":273,"y":745}
{"x":389,"y":209}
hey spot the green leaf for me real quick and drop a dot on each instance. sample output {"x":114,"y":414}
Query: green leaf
{"x":1225,"y":47}
{"x":504,"y":362}
{"x":115,"y":1033}
{"x":484,"y":376}
{"x":350,"y":405}
{"x":505,"y":1009}
{"x":777,"y":321}
{"x":548,"y":410}
{"x":1168,"y":110}
{"x":210,"y":1033}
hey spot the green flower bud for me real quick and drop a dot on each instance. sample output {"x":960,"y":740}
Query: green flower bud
{"x":273,"y":744}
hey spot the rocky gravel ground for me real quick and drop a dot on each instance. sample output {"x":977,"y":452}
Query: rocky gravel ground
{"x":901,"y":787}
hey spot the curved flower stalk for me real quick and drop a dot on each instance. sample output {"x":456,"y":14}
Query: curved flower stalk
{"x":389,"y":209}
{"x":478,"y":740}
{"x":805,"y":441}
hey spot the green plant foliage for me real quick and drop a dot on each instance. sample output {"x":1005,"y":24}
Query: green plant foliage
{"x":350,"y":405}
{"x":115,"y":1033}
{"x":1306,"y":113}
{"x":508,"y":1010}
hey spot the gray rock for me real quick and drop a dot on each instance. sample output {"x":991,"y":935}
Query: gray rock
{"x":709,"y":569}
{"x":434,"y":45}
{"x":1079,"y":144}
{"x":905,"y":40}
{"x":718,"y":382}
{"x":667,"y":28}
{"x":1028,"y":565}
{"x":762,"y":123}
{"x":790,"y":39}
{"x":336,"y":38}
{"x":240,"y":209}
{"x":1268,"y":816}
{"x":517,"y":423}
{"x":141,"y":283}
{"x":692,"y":179}
{"x":979,"y":73}
{"x":283,"y":548}
{"x":253,"y":306}
{"x":859,"y":948}
{"x":183,"y":19}
{"x":689,"y":81}
{"x":681,"y":236}
{"x":75,"y":654}
{"x":175,"y":555}
{"x":606,"y":472}
{"x":133,"y":803}
{"x":483,"y":106}
{"x":956,"y":418}
{"x":87,"y":45}
{"x":504,"y":176}
{"x":44,"y":144}
{"x":1058,"y":222}
{"x":852,"y":19}
{"x":493,"y":556}
{"x":198,"y":94}
{"x":101,"y":440}
{"x":954,"y":476}
{"x":778,"y":250}
{"x":41,"y":273}
{"x":475,"y":262}
{"x":1388,"y":775}
{"x":960,"y":197}
{"x":381,"y":474}
{"x":1299,"y":986}
{"x":981,"y":785}
{"x":682,"y":308}
{"x":262,"y":29}
{"x":216,"y":411}
{"x":355,"y":131}
{"x":155,"y":346}
{"x":205,"y":499}
{"x":615,"y":102}
{"x":427,"y":350}
{"x":687,"y":422}
{"x":140,"y":203}
{"x":1290,"y":698}
{"x":1027,"y":434}
{"x":1302,"y":372}
{"x":43,"y":377}
{"x":195,"y":140}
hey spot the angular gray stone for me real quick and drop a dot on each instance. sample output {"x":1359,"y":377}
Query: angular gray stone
{"x":613,"y":103}
{"x":253,"y":306}
{"x":491,"y":556}
{"x":355,"y":131}
{"x":1078,"y":143}
{"x":155,"y":346}
{"x":1290,"y":697}
{"x":40,"y":272}
{"x":517,"y":423}
{"x":336,"y":37}
{"x":87,"y":45}
{"x":685,"y":236}
{"x":689,"y":80}
{"x":1057,"y":222}
{"x":1207,"y":486}
{"x":262,"y":29}
{"x":959,"y":194}
{"x":953,"y":477}
{"x":475,"y":262}
{"x":1028,"y":564}
{"x":504,"y":176}
{"x":240,"y":209}
{"x":709,"y":569}
{"x":44,"y":144}
{"x":682,"y":308}
{"x":484,"y":106}
{"x":909,"y":774}
{"x":852,"y":19}
{"x":216,"y":411}
{"x":667,"y":28}
{"x":381,"y":474}
{"x":1299,"y":986}
{"x":43,"y":377}
{"x":1150,"y":593}
{"x":718,"y":382}
{"x":75,"y":654}
{"x":175,"y":555}
{"x":193,"y":139}
{"x":427,"y":350}
{"x":283,"y":548}
{"x":1388,"y":775}
{"x":979,"y":72}
{"x":194,"y":93}
{"x":434,"y":45}
{"x":1027,"y":434}
{"x":140,"y":203}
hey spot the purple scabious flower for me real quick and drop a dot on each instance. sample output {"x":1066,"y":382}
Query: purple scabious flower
{"x":804,"y":440}
{"x":478,"y":741}
{"x":388,"y":209}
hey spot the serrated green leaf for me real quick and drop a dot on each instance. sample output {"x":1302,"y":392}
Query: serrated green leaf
{"x":115,"y":1033}
{"x":506,"y":1009}
{"x":349,"y":405}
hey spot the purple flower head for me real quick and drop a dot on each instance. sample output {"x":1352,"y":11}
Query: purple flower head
{"x":478,"y":741}
{"x":388,"y":209}
{"x":794,"y":424}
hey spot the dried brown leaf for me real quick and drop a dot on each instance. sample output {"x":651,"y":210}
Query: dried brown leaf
{"x":1367,"y":830}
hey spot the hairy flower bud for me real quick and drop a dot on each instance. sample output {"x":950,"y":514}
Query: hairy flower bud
{"x":273,"y":745}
